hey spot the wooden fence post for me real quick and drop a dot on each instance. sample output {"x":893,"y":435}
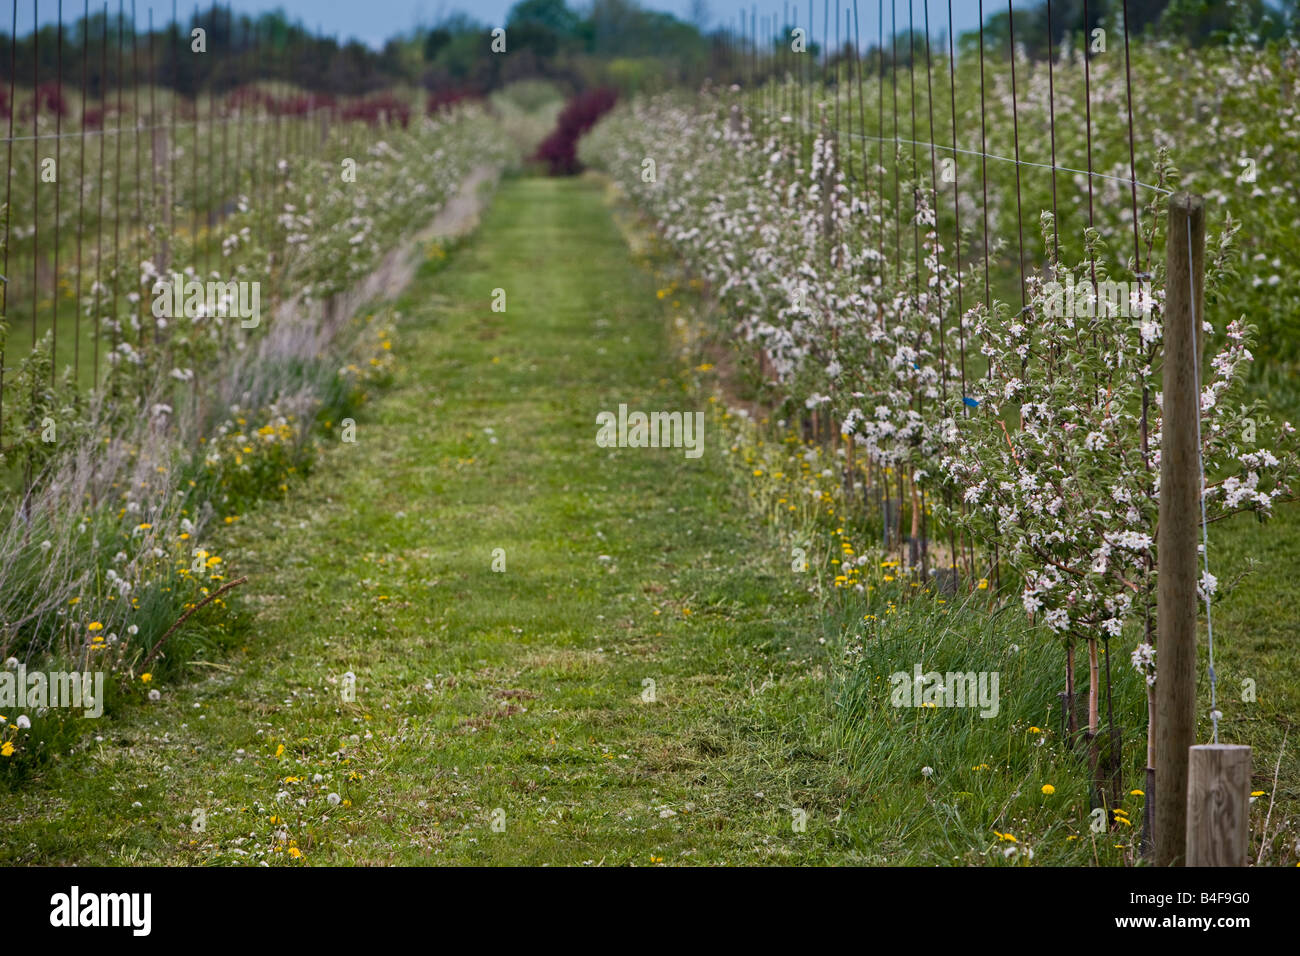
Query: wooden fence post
{"x":1180,"y":488}
{"x":1218,"y":805}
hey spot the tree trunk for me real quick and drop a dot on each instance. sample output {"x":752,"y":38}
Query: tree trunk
{"x":1094,"y":686}
{"x":1072,"y":717}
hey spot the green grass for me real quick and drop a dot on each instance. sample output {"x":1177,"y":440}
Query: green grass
{"x":1255,"y":630}
{"x":477,"y":690}
{"x":522,"y":690}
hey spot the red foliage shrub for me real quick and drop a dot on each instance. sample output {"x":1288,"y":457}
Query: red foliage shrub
{"x":301,"y":105}
{"x":440,"y":100}
{"x":51,"y":99}
{"x":560,"y":150}
{"x":48,"y":101}
{"x":370,"y":109}
{"x":292,"y":106}
{"x":249,"y":98}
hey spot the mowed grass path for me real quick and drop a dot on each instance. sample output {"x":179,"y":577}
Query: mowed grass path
{"x":478,"y":691}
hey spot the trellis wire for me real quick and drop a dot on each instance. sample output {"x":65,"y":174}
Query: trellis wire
{"x":795,"y":115}
{"x":93,"y":263}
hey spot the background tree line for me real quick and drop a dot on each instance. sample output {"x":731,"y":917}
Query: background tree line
{"x":608,"y":42}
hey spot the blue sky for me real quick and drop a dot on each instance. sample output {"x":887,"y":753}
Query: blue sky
{"x":372,"y":21}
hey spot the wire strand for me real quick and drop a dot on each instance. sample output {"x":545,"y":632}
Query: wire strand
{"x":1005,"y":159}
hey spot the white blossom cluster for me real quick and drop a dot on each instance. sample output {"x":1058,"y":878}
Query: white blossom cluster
{"x":1042,"y":428}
